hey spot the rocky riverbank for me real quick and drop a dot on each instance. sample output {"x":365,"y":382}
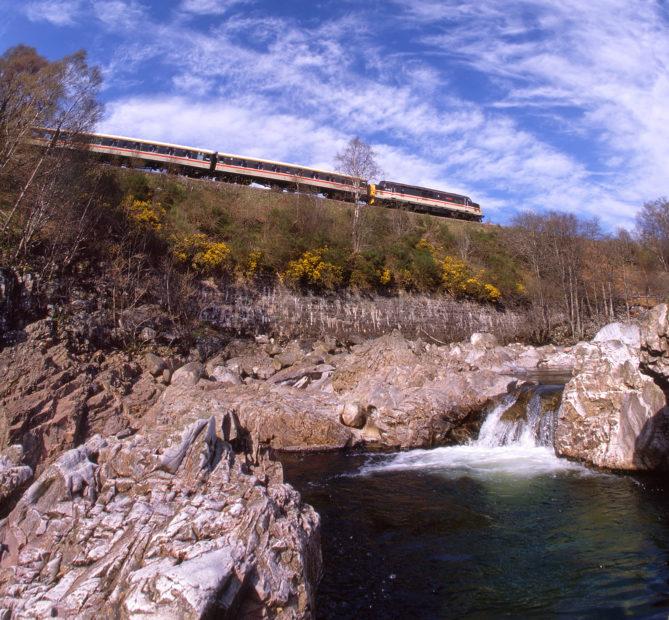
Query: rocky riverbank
{"x":142,"y":481}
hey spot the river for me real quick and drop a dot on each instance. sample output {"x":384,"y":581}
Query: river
{"x":500,"y":527}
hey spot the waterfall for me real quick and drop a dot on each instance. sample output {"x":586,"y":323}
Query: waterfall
{"x":533,"y":427}
{"x":516,"y":439}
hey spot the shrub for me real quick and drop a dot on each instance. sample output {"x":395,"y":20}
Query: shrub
{"x":202,"y":254}
{"x":312,"y":271}
{"x":144,"y":213}
{"x":460,"y":282}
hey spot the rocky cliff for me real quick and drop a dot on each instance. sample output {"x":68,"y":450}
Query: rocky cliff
{"x":614,"y":411}
{"x":164,"y":524}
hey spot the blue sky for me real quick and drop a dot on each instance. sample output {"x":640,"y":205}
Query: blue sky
{"x":533,"y":104}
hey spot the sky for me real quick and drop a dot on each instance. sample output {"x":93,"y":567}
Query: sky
{"x":521,"y":105}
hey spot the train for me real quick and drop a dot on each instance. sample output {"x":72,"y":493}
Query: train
{"x":274,"y":174}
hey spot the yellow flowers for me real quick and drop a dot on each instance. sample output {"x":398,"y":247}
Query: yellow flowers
{"x":203,"y":254}
{"x":312,"y":270}
{"x":253,"y":264}
{"x":460,"y":282}
{"x":385,"y":276}
{"x":145,"y":213}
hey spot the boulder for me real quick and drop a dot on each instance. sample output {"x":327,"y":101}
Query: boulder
{"x":278,"y":417}
{"x":188,"y":374}
{"x":161,"y":526}
{"x":613,"y":415}
{"x":483,"y":340}
{"x":155,"y":364}
{"x":257,"y":366}
{"x":655,"y":344}
{"x":353,"y":415}
{"x":13,"y":474}
{"x":224,"y":375}
{"x":627,"y":333}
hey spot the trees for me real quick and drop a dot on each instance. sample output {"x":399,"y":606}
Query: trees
{"x":44,"y":183}
{"x":652,"y":223}
{"x":358,"y":159}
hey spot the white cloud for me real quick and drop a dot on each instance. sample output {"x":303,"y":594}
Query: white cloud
{"x":272,"y":88}
{"x":607,"y":60}
{"x":210,"y":7}
{"x":121,"y":15}
{"x":56,"y":12}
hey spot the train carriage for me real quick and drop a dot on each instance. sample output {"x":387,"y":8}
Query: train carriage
{"x":424,"y":199}
{"x":274,"y":174}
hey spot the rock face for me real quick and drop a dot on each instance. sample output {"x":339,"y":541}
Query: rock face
{"x":282,"y":418}
{"x":13,"y":474}
{"x":614,"y":415}
{"x":627,"y":333}
{"x":655,"y":344}
{"x":52,"y":396}
{"x":153,"y":527}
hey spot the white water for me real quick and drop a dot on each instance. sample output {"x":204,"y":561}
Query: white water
{"x":520,"y":448}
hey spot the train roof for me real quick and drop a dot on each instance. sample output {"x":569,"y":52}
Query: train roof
{"x":429,"y":189}
{"x":129,"y":139}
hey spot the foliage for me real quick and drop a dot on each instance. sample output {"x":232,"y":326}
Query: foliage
{"x":145,"y":213}
{"x":311,"y":270}
{"x":204,"y":255}
{"x":460,"y":282}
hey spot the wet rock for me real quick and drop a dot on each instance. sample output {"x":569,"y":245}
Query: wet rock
{"x":188,"y":374}
{"x":166,"y":524}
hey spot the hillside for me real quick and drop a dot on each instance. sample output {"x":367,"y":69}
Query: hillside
{"x":305,"y":241}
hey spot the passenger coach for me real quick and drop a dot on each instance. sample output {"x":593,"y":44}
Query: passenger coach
{"x":274,"y":174}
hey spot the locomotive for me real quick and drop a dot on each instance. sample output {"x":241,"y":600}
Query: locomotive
{"x":275,"y":174}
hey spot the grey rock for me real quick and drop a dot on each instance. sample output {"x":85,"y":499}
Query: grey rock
{"x":353,"y":415}
{"x":188,"y":374}
{"x":155,"y":364}
{"x":167,"y":524}
{"x":225,"y":376}
{"x":483,"y":340}
{"x":13,"y":474}
{"x":627,"y":333}
{"x":148,"y":334}
{"x":613,"y":415}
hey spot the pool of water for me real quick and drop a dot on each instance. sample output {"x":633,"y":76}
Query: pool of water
{"x":485,"y":531}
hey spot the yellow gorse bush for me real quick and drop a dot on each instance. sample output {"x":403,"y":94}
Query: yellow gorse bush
{"x":145,"y":213}
{"x":459,"y":281}
{"x":312,"y":270}
{"x":201,"y":253}
{"x":385,"y":276}
{"x":253,"y":264}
